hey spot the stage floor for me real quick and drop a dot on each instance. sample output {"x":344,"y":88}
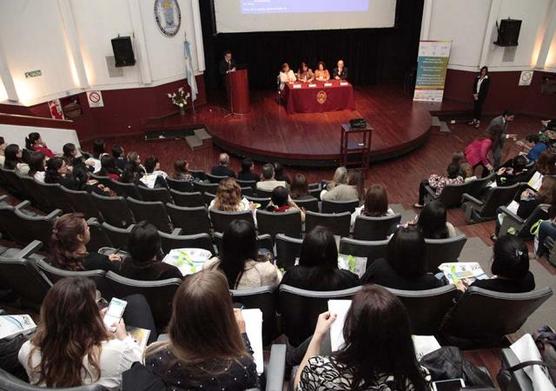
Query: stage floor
{"x":269,"y":133}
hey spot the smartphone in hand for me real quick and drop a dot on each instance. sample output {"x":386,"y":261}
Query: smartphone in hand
{"x":114,"y":313}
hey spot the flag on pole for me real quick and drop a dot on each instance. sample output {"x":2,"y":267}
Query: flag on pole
{"x":189,"y":74}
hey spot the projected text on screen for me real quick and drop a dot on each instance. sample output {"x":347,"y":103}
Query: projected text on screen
{"x":298,"y":6}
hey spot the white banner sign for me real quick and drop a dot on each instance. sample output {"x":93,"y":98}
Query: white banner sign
{"x":432,"y":65}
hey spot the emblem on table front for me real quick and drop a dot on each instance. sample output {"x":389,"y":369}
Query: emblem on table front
{"x":321,"y":97}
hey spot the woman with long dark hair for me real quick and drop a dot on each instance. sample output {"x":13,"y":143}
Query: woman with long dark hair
{"x":13,"y":160}
{"x":37,"y":166}
{"x":239,"y":259}
{"x":318,"y":265}
{"x":480,"y":91}
{"x":57,"y":171}
{"x":34,"y":142}
{"x":108,"y":167}
{"x":378,"y":353}
{"x":68,"y":246}
{"x":432,"y":221}
{"x":72,"y":346}
{"x":208,"y":348}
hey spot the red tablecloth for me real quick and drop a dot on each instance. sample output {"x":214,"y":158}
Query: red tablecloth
{"x":320,"y":98}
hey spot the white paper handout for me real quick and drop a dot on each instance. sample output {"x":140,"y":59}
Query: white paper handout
{"x":11,"y":325}
{"x":424,"y":344}
{"x":467,"y":271}
{"x":526,"y":350}
{"x":340,"y":308}
{"x":254,"y":328}
{"x":356,"y":265}
{"x":536,"y":181}
{"x":187,"y":260}
{"x":513,"y":207}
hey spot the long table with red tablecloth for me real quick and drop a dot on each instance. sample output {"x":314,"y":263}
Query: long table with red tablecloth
{"x":318,"y":97}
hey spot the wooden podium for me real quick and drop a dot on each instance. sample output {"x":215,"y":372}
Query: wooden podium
{"x":356,"y":142}
{"x":237,"y":86}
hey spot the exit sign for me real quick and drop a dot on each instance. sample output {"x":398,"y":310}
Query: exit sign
{"x":35,"y":73}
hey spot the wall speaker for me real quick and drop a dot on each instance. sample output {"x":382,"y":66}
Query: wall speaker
{"x":508,"y":32}
{"x":123,"y":51}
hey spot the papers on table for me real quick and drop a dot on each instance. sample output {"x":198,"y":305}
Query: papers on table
{"x":536,"y":181}
{"x":340,"y":308}
{"x":356,"y":265}
{"x":467,"y":272}
{"x":187,"y":260}
{"x":12,"y":325}
{"x":424,"y":344}
{"x":526,"y":350}
{"x":254,"y":329}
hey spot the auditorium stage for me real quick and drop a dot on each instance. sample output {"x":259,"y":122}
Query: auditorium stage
{"x":269,"y":133}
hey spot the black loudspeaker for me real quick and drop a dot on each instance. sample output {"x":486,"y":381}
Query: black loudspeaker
{"x":123,"y":51}
{"x":508,"y":32}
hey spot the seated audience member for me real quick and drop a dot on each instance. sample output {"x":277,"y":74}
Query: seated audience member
{"x":228,"y":197}
{"x":72,"y":346}
{"x":286,"y":76}
{"x":2,"y":149}
{"x":513,"y":171}
{"x":108,"y":168}
{"x":546,"y":164}
{"x":134,"y":170}
{"x":68,"y":247}
{"x":181,"y":171}
{"x":118,"y":154}
{"x":353,"y":190}
{"x":318,"y":265}
{"x":467,"y":172}
{"x":439,"y":182}
{"x":280,"y":201}
{"x":69,"y":154}
{"x":534,"y":145}
{"x":223,"y":167}
{"x":144,"y":248}
{"x":13,"y":160}
{"x":154,"y":176}
{"x":37,"y":165}
{"x":321,"y":73}
{"x":378,"y":353}
{"x":549,"y":124}
{"x":340,"y":72}
{"x":433,"y":222}
{"x":279,"y":174}
{"x":510,"y":266}
{"x":268,"y":181}
{"x":477,"y":154}
{"x":246,"y":173}
{"x":57,"y":172}
{"x":208,"y":348}
{"x":547,"y":229}
{"x":405,"y":263}
{"x":239,"y":261}
{"x":99,"y":149}
{"x":305,"y":74}
{"x":33,"y":142}
{"x":299,"y":188}
{"x":375,"y":204}
{"x":340,"y":178}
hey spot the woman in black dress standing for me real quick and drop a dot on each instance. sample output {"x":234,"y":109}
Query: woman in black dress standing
{"x":480,"y":91}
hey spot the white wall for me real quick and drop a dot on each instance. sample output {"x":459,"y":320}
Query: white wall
{"x":53,"y":137}
{"x":471,"y":26}
{"x":68,"y":40}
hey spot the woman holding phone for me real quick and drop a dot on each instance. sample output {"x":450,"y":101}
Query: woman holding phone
{"x":72,"y":346}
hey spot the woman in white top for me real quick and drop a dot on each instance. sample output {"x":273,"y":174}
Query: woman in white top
{"x":286,"y":76}
{"x":72,"y":346}
{"x":229,"y":198}
{"x":37,"y":165}
{"x":239,"y":260}
{"x":375,"y":205}
{"x":13,"y":160}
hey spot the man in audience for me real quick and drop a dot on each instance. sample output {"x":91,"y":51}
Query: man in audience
{"x":268,"y":182}
{"x":155,"y":177}
{"x":223,"y":167}
{"x":119,"y":156}
{"x":498,"y":128}
{"x":246,"y":173}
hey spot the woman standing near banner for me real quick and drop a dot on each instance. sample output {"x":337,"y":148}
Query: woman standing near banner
{"x":480,"y":91}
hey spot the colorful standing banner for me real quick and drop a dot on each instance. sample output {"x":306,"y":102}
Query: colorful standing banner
{"x":432,"y":64}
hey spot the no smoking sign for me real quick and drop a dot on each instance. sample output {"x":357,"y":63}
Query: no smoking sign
{"x":95,"y":98}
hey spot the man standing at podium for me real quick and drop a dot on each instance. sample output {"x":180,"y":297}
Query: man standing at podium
{"x":227,"y":64}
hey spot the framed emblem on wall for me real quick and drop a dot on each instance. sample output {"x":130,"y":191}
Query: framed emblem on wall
{"x":168,"y":16}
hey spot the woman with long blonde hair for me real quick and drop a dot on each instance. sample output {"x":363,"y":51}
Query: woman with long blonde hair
{"x":208,"y":348}
{"x":229,"y":198}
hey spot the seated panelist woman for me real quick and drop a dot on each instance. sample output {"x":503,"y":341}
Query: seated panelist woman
{"x":340,"y":72}
{"x":305,"y":74}
{"x":286,"y":76}
{"x":321,"y":73}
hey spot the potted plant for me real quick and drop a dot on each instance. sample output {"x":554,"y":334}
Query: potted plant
{"x":179,"y":99}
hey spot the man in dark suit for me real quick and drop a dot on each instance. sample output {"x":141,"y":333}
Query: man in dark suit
{"x":227,"y":64}
{"x":498,"y":128}
{"x":223,"y":169}
{"x":340,"y":72}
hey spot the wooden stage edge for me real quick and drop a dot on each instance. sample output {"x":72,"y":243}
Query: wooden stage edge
{"x":268,"y":133}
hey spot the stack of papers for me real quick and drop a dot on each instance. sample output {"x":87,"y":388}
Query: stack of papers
{"x":187,"y":260}
{"x":467,"y":272}
{"x":12,"y":325}
{"x":254,"y":328}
